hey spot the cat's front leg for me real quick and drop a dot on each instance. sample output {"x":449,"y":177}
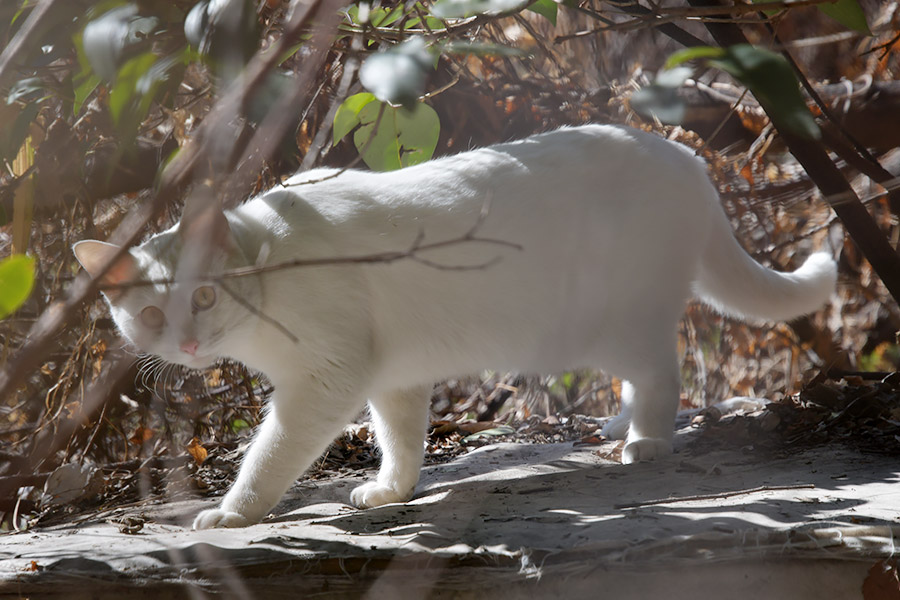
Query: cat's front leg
{"x":290,"y":438}
{"x":400,"y":419}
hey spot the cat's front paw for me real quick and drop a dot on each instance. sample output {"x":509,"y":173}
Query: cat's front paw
{"x":372,"y":494}
{"x":216,"y":517}
{"x":645,"y":449}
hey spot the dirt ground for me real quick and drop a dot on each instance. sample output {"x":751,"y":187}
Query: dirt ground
{"x":507,"y":520}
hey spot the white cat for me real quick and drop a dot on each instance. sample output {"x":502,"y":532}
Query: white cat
{"x":616,"y":229}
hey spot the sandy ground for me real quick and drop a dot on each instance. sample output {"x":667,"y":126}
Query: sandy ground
{"x":508,"y":521}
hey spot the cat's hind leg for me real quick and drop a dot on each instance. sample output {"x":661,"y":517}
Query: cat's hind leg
{"x":653,"y":409}
{"x":617,"y":427}
{"x":649,"y":365}
{"x":401,"y":420}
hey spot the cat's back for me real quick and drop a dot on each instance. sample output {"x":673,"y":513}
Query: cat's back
{"x":610,"y":168}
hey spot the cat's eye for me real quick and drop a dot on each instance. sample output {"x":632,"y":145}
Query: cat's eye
{"x":203,"y":297}
{"x":152,"y":317}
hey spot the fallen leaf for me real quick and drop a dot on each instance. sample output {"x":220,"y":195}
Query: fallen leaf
{"x":492,"y":432}
{"x":197,"y":451}
{"x":141,"y":435}
{"x":441,"y":428}
{"x":477,"y":426}
{"x":882,"y":582}
{"x":590,"y":440}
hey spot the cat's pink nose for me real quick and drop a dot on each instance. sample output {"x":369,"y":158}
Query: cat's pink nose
{"x":189,"y":347}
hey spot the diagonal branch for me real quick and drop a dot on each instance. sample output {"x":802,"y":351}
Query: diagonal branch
{"x":179,"y":172}
{"x":811,"y":154}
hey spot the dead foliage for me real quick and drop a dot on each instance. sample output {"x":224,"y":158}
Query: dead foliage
{"x":845,"y":410}
{"x":155,"y":431}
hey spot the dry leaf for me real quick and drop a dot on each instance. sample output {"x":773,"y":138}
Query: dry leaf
{"x":440,"y":428}
{"x":214,"y":378}
{"x":197,"y":451}
{"x":141,"y":435}
{"x":882,"y":582}
{"x":99,"y":348}
{"x":477,"y":426}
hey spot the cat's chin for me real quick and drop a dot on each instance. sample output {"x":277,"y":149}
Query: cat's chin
{"x":195,"y":362}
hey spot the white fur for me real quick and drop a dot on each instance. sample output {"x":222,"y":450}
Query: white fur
{"x":615,"y":227}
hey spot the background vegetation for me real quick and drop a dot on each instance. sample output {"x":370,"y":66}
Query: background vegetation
{"x":114,"y":111}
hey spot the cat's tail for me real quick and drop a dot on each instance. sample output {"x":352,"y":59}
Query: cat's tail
{"x":735,"y":284}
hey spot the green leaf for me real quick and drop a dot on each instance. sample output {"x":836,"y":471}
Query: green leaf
{"x":848,"y":13}
{"x":774,"y":84}
{"x":432,"y":23}
{"x":124,"y":91}
{"x":239,"y":425}
{"x":111,"y":38}
{"x":454,"y":9}
{"x":545,"y":8}
{"x":84,"y":87}
{"x":16,"y":281}
{"x":673,"y":78}
{"x":12,"y":135}
{"x":384,"y":18}
{"x":86,"y":81}
{"x":660,"y":99}
{"x":347,"y":115}
{"x":403,"y":137}
{"x":398,"y":75}
{"x":765,"y":73}
{"x":141,"y":81}
{"x":696,"y":53}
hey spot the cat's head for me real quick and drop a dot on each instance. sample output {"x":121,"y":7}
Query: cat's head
{"x":190,"y":315}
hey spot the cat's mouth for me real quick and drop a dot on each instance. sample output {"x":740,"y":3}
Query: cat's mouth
{"x":201,"y":362}
{"x":193,"y":362}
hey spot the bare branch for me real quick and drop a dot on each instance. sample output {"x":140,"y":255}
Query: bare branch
{"x":180,"y":171}
{"x":255,"y":311}
{"x":667,"y":15}
{"x":716,"y":496}
{"x":413,"y":253}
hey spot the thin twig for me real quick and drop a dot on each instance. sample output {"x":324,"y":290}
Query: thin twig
{"x":175,"y":177}
{"x":885,"y":47}
{"x":354,"y":162}
{"x":667,"y":15}
{"x":412,"y":253}
{"x":258,"y":313}
{"x":722,"y":123}
{"x":351,"y":66}
{"x":756,"y":490}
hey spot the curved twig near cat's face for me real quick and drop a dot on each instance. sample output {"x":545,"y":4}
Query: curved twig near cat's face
{"x":257,"y":312}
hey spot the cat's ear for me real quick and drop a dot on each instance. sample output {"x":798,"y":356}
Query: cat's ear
{"x":94,"y":255}
{"x":204,"y":219}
